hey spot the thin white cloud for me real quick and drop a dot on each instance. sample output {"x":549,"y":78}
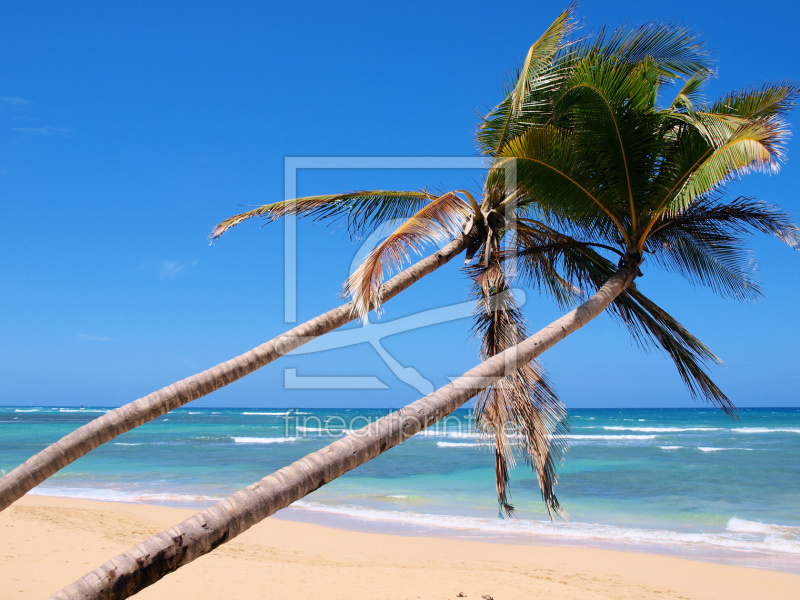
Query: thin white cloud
{"x":13,"y":101}
{"x":93,"y":338}
{"x":46,"y":130}
{"x":169,"y":268}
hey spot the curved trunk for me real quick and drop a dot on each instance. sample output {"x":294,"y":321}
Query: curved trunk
{"x":165,"y":552}
{"x":116,"y":422}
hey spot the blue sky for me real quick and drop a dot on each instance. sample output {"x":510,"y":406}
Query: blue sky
{"x":129,"y":130}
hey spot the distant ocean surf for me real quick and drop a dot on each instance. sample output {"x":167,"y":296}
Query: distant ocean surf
{"x":686,"y":481}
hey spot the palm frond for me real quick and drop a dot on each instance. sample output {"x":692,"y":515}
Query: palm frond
{"x":705,"y":243}
{"x":720,"y":264}
{"x":713,"y":217}
{"x":539,"y":53}
{"x":702,"y":168}
{"x":689,"y":94}
{"x":521,"y":410}
{"x":714,"y":128}
{"x":771,"y":99}
{"x":362,"y":211}
{"x":649,"y":325}
{"x":437,"y":221}
{"x":612,"y":105}
{"x":548,"y":165}
{"x":539,"y":255}
{"x":675,"y":49}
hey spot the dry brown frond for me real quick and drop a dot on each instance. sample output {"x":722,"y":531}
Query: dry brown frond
{"x":520,"y":411}
{"x":442,"y":218}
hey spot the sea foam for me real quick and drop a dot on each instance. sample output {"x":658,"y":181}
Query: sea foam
{"x":766,"y":430}
{"x":608,"y":437}
{"x":263,"y":440}
{"x":660,"y":429}
{"x":285,"y":413}
{"x":730,"y":539}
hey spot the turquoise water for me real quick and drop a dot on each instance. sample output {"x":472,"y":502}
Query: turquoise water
{"x":689,"y":481}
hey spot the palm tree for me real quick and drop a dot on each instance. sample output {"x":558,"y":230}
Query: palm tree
{"x":365,"y":210}
{"x":598,"y":169}
{"x":427,"y":218}
{"x":596,"y":165}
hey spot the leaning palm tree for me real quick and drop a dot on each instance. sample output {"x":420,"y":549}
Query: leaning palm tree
{"x":361,"y":208}
{"x":598,"y":177}
{"x":427,"y":218}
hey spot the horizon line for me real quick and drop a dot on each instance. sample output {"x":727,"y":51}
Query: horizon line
{"x":289,"y":408}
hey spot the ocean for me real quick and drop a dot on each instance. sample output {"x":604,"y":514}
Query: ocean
{"x":689,"y":482}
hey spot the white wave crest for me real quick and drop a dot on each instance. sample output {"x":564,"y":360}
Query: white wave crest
{"x":329,"y":430}
{"x":723,"y":540}
{"x":462,"y":435}
{"x":608,"y":437}
{"x":456,"y":445}
{"x":285,"y":413}
{"x":744,"y":526}
{"x":766,"y":430}
{"x":670,"y":447}
{"x":660,"y":429}
{"x":263,"y":440}
{"x":707,"y":449}
{"x":111,"y":494}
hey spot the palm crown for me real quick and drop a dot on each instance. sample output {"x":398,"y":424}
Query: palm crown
{"x":588,"y":161}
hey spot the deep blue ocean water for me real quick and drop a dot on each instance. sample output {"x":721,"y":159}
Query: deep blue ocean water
{"x":687,"y":481}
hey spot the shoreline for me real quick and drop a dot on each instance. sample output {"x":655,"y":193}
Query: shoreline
{"x":339,"y":518}
{"x":50,"y":541}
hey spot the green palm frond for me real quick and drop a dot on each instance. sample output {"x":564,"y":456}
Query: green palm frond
{"x":542,"y":268}
{"x":538,"y":75}
{"x":650,"y":326}
{"x":728,"y":115}
{"x":771,"y":99}
{"x":689,"y":94}
{"x":701,"y":168}
{"x":705,"y":243}
{"x":437,"y":221}
{"x":520,"y":411}
{"x":714,"y":128}
{"x":539,"y":54}
{"x":676,"y":50}
{"x":613,"y":107}
{"x":720,"y":264}
{"x":714,"y":217}
{"x":547,"y":163}
{"x":362,"y":211}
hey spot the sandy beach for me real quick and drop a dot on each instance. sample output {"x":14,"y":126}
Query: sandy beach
{"x":48,"y":542}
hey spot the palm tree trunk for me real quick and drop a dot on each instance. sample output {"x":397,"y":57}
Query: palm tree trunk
{"x":116,"y":422}
{"x":165,"y":552}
